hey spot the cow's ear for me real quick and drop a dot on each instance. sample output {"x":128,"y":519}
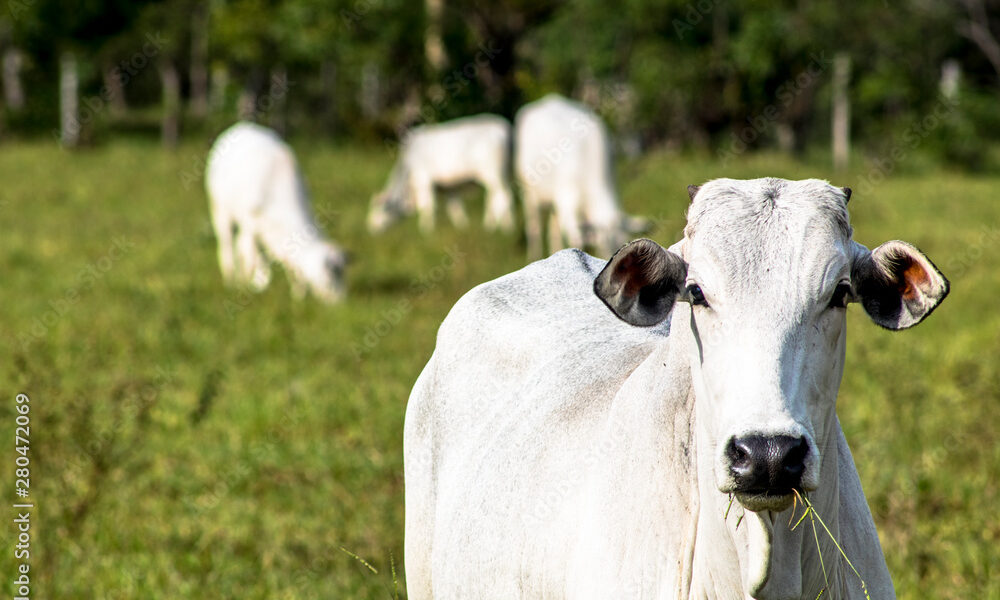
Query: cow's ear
{"x":640,"y":282}
{"x":897,"y":284}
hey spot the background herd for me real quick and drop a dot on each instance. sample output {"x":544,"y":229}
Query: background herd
{"x":562,"y":163}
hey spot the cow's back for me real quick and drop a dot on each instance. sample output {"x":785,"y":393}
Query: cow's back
{"x":458,"y":150}
{"x":247,"y":166}
{"x":510,"y":404}
{"x":559,"y":142}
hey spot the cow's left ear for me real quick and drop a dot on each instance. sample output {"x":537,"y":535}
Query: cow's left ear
{"x":897,"y":284}
{"x":641,"y":282}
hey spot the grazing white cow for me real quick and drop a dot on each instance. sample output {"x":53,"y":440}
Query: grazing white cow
{"x":475,"y":149}
{"x":637,"y":428}
{"x":261,"y":213}
{"x":563,"y":162}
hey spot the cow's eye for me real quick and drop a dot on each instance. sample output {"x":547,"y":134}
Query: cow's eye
{"x":841,"y":295}
{"x":696,"y":295}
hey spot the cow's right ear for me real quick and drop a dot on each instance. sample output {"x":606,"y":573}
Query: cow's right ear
{"x":641,"y":282}
{"x":897,"y":284}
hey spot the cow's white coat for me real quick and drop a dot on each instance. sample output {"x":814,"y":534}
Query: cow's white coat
{"x":562,"y":161}
{"x":261,"y":213}
{"x":470,"y":149}
{"x":554,"y":451}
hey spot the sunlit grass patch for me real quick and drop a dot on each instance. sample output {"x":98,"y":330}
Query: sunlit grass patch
{"x":183,"y":449}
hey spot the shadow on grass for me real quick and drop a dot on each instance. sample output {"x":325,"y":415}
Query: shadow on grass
{"x":392,"y":283}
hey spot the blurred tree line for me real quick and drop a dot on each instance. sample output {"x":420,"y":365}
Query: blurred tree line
{"x":712,"y":74}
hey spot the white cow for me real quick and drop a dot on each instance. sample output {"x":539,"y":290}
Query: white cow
{"x":261,"y":212}
{"x":475,"y":149}
{"x":563,"y":162}
{"x":555,"y":450}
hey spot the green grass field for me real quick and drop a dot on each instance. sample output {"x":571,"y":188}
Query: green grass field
{"x":191,"y":441}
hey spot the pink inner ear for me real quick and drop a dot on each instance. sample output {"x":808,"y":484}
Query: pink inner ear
{"x":915,"y":278}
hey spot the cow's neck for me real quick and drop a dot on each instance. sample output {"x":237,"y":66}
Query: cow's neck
{"x":758,"y":554}
{"x":739,"y":553}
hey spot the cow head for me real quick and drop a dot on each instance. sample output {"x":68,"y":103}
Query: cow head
{"x":387,"y":208}
{"x":392,"y":203}
{"x":320,"y":270}
{"x":765,"y":272}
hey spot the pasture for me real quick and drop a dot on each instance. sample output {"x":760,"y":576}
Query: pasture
{"x":193,"y":441}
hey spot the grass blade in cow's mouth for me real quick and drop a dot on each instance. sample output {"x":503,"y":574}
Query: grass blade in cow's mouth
{"x":759,"y":500}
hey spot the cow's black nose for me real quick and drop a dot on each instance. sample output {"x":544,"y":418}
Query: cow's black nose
{"x":767,"y":465}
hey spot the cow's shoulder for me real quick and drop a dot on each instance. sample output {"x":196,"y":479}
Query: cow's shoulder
{"x":565,"y":277}
{"x":547,"y":308}
{"x":523,"y":378}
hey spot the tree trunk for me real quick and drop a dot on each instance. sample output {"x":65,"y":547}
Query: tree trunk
{"x":170,"y":81}
{"x":69,"y":101}
{"x":13,"y":92}
{"x":328,"y":86}
{"x":433,"y":45}
{"x":434,"y":50}
{"x":977,"y":29}
{"x":198,"y":74}
{"x":369,"y":92}
{"x":117,"y":104}
{"x":246,"y":105}
{"x":785,"y":134}
{"x":951,"y":76}
{"x":841,"y":122}
{"x":277,"y":95}
{"x":217,"y":90}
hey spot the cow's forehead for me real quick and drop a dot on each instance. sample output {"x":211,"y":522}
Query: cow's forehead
{"x":767,"y":210}
{"x":740,"y":225}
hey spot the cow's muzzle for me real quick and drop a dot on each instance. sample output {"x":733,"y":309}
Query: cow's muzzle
{"x":766,"y":470}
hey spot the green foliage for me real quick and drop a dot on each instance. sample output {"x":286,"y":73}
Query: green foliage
{"x":43,"y":25}
{"x":193,"y":441}
{"x":705,"y":70}
{"x":679,"y":73}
